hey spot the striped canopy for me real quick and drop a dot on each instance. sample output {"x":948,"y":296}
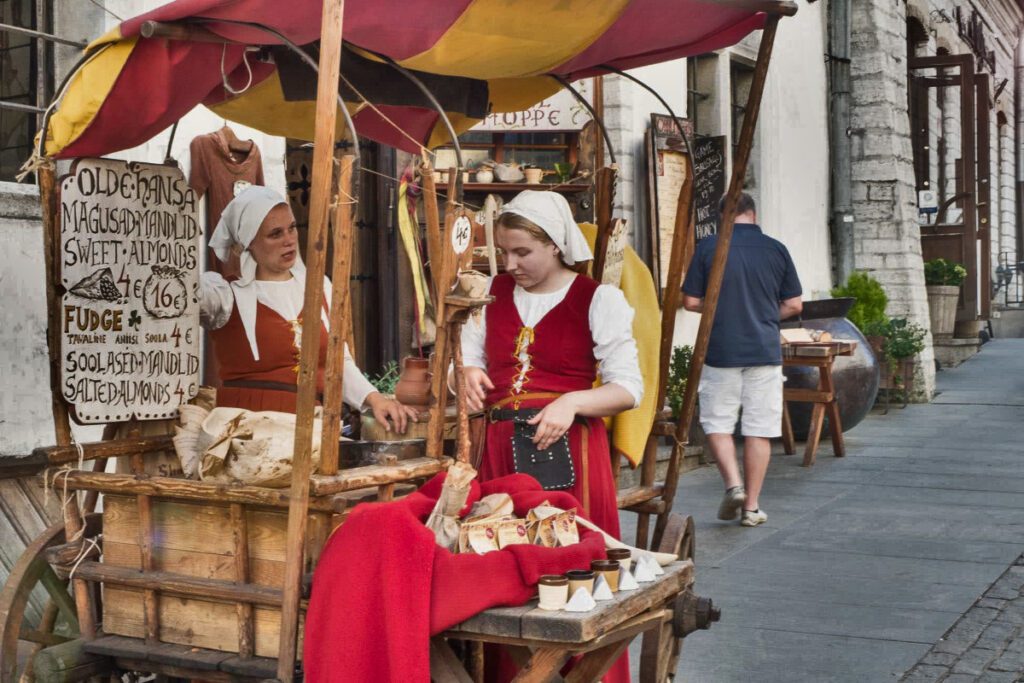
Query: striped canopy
{"x":477,"y":55}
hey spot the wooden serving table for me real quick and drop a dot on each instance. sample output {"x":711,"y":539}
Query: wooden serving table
{"x":819,"y":355}
{"x":541,"y":641}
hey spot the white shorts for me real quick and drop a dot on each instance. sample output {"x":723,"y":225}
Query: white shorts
{"x":757,"y":389}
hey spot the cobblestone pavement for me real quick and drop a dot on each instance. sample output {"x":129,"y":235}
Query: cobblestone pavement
{"x":869,"y":564}
{"x":986,"y":644}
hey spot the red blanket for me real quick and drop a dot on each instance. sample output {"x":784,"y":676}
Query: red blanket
{"x":383,"y":586}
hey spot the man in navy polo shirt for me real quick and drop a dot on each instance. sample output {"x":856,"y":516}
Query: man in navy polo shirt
{"x":743,"y":367}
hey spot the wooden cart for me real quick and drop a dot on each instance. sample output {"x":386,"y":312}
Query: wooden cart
{"x":176,"y":551}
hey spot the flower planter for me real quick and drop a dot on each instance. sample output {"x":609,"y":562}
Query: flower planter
{"x":942,"y":300}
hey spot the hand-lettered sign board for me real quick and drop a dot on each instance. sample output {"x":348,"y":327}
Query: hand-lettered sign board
{"x":709,"y":183}
{"x":129,"y":264}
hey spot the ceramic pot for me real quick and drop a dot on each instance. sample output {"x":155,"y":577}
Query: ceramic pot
{"x":485,"y":176}
{"x":534,"y":175}
{"x":856,"y":377}
{"x":413,"y":388}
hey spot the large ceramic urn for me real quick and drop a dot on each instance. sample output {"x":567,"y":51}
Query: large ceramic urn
{"x":855,"y":377}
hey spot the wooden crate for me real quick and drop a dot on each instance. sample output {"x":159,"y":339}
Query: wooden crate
{"x":194,"y":539}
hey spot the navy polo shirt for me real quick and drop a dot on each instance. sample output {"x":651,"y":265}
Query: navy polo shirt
{"x":759,"y":274}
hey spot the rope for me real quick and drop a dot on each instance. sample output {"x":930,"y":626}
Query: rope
{"x":34,"y":164}
{"x":84,"y":552}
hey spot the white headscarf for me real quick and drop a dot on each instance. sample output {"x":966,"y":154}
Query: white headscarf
{"x":551,"y":213}
{"x":239,"y":225}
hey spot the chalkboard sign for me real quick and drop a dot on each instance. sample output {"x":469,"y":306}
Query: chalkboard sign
{"x":667,"y":172}
{"x":709,"y":183}
{"x":129,"y":264}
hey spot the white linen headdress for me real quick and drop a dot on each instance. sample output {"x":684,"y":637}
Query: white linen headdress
{"x":551,"y":213}
{"x":239,"y":225}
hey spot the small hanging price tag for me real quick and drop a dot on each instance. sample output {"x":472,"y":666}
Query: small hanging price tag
{"x":462,"y":233}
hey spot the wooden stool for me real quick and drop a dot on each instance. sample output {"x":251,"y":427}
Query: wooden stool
{"x":819,"y":356}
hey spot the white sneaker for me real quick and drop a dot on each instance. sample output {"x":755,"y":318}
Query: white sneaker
{"x":753,"y":517}
{"x":732,"y":502}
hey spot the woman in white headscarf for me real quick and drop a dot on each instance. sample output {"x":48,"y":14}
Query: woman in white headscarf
{"x":533,"y":358}
{"x":256,"y":320}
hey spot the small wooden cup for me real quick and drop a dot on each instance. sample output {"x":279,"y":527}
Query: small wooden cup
{"x":609,"y":569}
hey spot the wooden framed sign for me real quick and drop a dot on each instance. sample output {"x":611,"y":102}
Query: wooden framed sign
{"x":667,"y":175}
{"x":129,"y":265}
{"x":709,"y":183}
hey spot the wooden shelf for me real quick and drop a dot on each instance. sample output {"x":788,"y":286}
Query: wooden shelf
{"x":519,"y":187}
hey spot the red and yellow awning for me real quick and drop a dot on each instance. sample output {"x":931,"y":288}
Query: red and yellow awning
{"x":500,"y":50}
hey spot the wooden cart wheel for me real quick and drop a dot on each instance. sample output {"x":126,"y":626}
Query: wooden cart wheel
{"x":32,"y":572}
{"x":680,"y":538}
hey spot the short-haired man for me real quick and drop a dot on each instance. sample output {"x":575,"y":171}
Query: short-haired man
{"x":743,"y":367}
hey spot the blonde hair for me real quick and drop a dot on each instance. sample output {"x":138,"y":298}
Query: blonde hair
{"x":513,"y":221}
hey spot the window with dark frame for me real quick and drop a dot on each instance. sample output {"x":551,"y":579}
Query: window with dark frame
{"x":26,"y":77}
{"x":695,"y":93}
{"x":741,"y":77}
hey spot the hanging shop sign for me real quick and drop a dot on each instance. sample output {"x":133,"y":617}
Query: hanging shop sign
{"x":129,"y":265}
{"x":668,"y":170}
{"x":560,"y":112}
{"x":708,"y":183}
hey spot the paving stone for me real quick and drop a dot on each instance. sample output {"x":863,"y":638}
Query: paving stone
{"x":953,"y":646}
{"x":939,"y":659}
{"x":925,"y":674}
{"x":992,"y":602}
{"x":998,"y":634}
{"x":1008,"y":661}
{"x":974,"y":661}
{"x":960,"y":678}
{"x":981,"y":615}
{"x":998,"y":677}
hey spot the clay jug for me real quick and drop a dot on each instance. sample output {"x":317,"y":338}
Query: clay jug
{"x":413,"y":388}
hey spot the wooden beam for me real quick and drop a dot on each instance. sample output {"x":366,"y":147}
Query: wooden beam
{"x":185,"y":489}
{"x":785,"y":8}
{"x":377,"y":475}
{"x":323,"y":162}
{"x":179,"y":584}
{"x":62,"y":455}
{"x":714,"y":286}
{"x":339,"y":317}
{"x":177,"y":30}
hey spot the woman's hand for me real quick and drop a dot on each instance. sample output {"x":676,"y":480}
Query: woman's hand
{"x":477,"y":384}
{"x":554,"y":420}
{"x":391,"y":413}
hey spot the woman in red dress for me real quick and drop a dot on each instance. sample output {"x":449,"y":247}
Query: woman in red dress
{"x":256,"y":320}
{"x":541,"y":345}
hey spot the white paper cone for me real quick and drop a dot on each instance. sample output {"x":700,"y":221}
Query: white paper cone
{"x":581,"y":601}
{"x":626,"y":581}
{"x":644,"y":573}
{"x":601,"y":589}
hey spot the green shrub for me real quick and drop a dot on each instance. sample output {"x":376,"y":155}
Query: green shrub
{"x":869,"y":307}
{"x":678,"y":372}
{"x":941,"y":272}
{"x":903,"y":339}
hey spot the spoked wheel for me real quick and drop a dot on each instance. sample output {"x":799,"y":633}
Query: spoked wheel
{"x":33,"y":582}
{"x":661,"y":648}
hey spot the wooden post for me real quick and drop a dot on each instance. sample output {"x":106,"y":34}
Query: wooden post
{"x":73,"y":524}
{"x":339,"y":316}
{"x":714,"y":288}
{"x":443,"y":276}
{"x":604,"y":197}
{"x":243,"y":610}
{"x":463,"y":446}
{"x":433,"y":218}
{"x":682,"y":251}
{"x":323,"y":162}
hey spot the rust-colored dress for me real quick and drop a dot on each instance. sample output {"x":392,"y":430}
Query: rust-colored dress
{"x":273,"y":378}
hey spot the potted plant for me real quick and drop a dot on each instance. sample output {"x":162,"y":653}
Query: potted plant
{"x":868,"y":310}
{"x":942,"y":279}
{"x":901,"y":342}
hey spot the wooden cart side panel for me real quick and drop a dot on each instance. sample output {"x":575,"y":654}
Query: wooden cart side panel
{"x":186,"y":621}
{"x":196,"y":527}
{"x":203,"y":565}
